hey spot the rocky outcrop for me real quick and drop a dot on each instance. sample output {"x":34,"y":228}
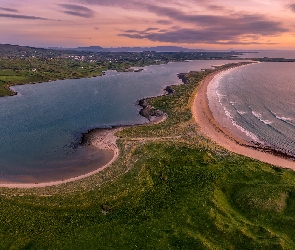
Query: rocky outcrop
{"x":148,"y":111}
{"x":169,"y":90}
{"x":182,"y":76}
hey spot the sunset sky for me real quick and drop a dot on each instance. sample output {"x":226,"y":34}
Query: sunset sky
{"x":222,"y":24}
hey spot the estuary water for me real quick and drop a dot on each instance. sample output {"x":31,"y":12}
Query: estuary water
{"x":257,"y":102}
{"x":41,"y":127}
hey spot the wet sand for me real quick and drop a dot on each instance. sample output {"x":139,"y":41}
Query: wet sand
{"x":209,"y":127}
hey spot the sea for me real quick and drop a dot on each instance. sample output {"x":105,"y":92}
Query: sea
{"x":257,"y":103}
{"x":287,"y":54}
{"x":41,"y":127}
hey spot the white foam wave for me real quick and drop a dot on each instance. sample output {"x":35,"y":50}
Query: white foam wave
{"x":219,"y":95}
{"x":241,"y":112}
{"x":259,"y":116}
{"x":285,"y":119}
{"x":249,"y":134}
{"x":246,"y":132}
{"x":228,"y":113}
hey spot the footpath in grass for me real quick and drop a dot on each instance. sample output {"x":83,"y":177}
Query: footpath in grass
{"x":170,"y":189}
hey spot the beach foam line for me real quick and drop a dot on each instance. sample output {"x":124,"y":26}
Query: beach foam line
{"x":210,"y":128}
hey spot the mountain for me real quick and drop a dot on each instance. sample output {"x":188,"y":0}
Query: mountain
{"x":135,"y":49}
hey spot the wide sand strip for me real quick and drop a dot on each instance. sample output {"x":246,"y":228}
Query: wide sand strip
{"x":208,"y":125}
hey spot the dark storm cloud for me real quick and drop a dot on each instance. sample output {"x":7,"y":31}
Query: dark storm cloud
{"x":77,"y":10}
{"x":9,"y":9}
{"x":22,"y":17}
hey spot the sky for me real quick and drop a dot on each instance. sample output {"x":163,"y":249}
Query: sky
{"x":199,"y":24}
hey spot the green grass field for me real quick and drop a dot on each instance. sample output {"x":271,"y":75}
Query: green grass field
{"x":171,"y":188}
{"x":34,"y":70}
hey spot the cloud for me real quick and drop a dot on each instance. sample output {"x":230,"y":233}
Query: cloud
{"x":22,"y":17}
{"x":150,"y":29}
{"x":165,"y":22}
{"x":212,"y":23}
{"x":9,"y":9}
{"x":214,"y":29}
{"x":291,"y":7}
{"x":144,"y":5}
{"x":77,"y":10}
{"x":191,"y":36}
{"x":226,"y":31}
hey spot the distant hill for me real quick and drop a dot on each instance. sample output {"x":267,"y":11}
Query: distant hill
{"x":134,"y":49}
{"x":8,"y":48}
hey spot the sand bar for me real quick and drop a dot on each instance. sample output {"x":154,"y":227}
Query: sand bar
{"x":209,"y":127}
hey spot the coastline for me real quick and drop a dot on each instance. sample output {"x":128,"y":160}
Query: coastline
{"x":103,"y":139}
{"x":217,"y":133}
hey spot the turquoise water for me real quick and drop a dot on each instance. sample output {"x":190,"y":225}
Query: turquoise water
{"x":41,"y":127}
{"x":257,"y":103}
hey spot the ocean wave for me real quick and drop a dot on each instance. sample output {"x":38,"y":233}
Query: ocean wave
{"x":285,"y":119}
{"x":241,"y":112}
{"x":227,"y":113}
{"x":219,"y":95}
{"x":248,"y":133}
{"x":245,"y":131}
{"x":259,"y":117}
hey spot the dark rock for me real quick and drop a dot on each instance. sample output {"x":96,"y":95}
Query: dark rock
{"x":183,"y":77}
{"x":169,"y":90}
{"x":146,"y":112}
{"x":143,"y":103}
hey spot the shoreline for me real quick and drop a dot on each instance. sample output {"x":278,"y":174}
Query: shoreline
{"x":105,"y":140}
{"x":97,"y":138}
{"x":217,"y":133}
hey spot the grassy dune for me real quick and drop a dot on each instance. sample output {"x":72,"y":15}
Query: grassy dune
{"x":170,"y":189}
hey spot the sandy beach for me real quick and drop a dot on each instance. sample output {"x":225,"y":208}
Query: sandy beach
{"x":209,"y":127}
{"x":101,"y":139}
{"x":98,"y":139}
